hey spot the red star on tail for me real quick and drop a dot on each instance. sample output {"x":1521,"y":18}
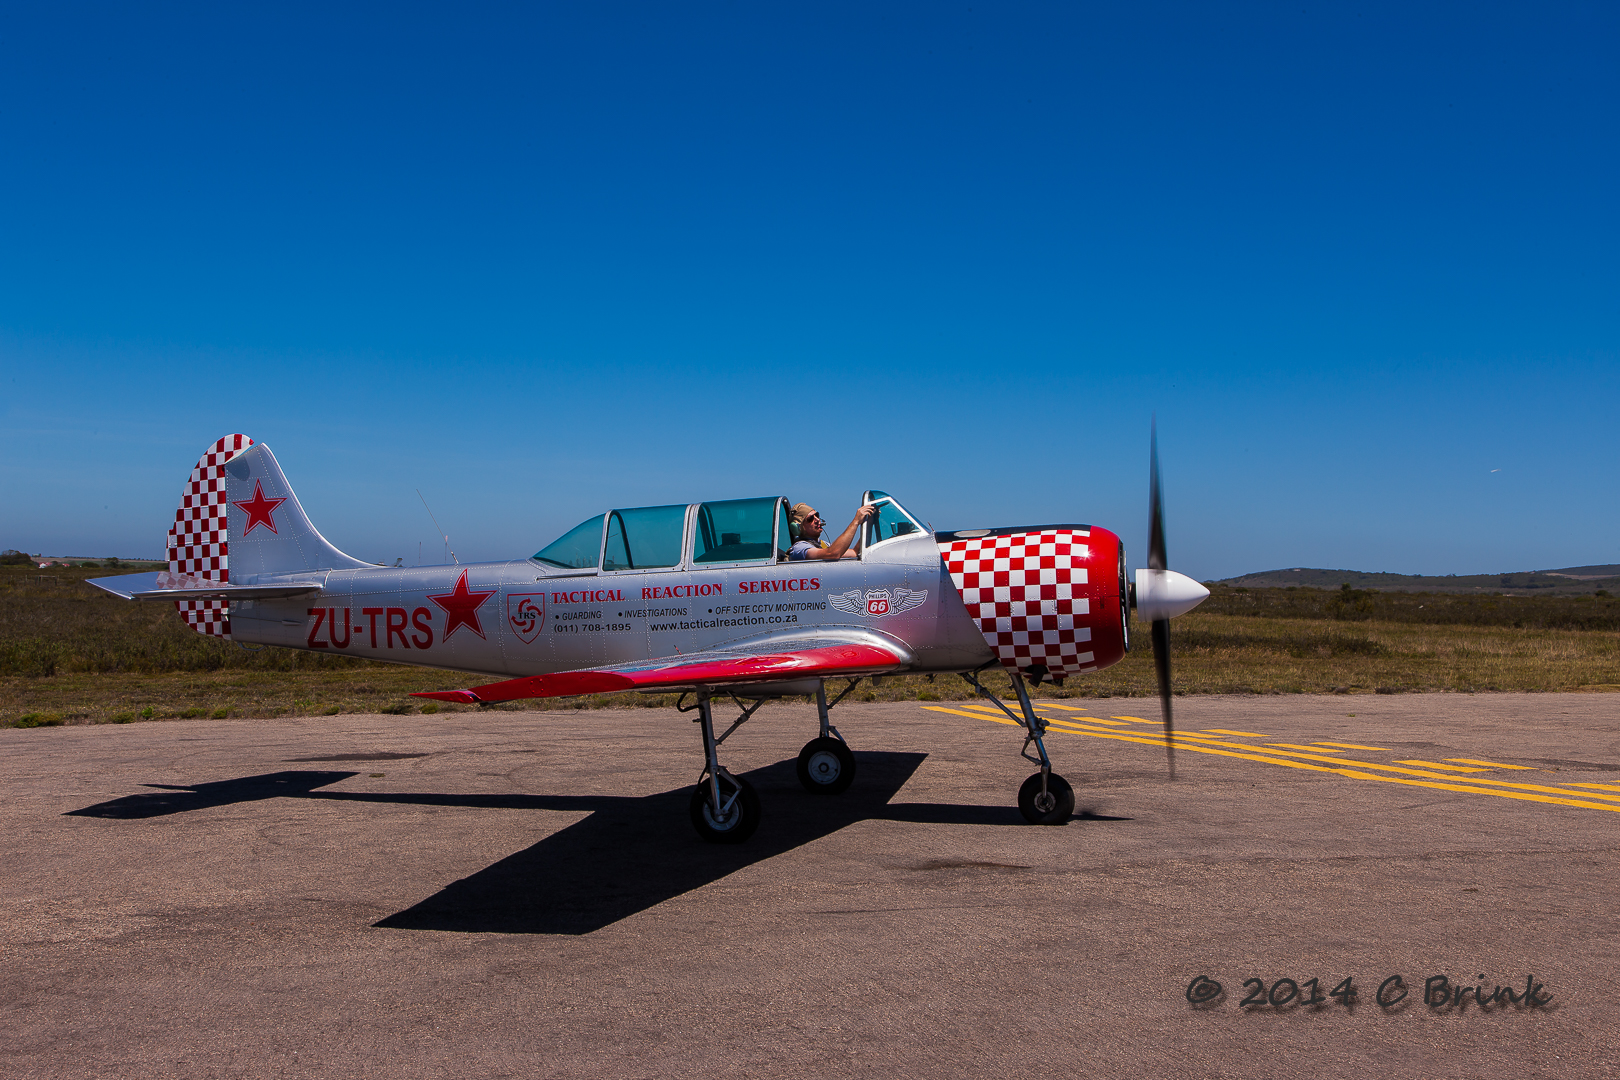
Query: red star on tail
{"x":461,"y":608}
{"x":258,"y":509}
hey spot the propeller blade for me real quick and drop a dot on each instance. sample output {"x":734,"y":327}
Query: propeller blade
{"x":1157,"y":560}
{"x":1156,"y":555}
{"x":1161,"y":663}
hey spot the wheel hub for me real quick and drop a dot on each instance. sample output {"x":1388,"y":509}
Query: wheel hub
{"x":721,"y":822}
{"x":824,"y":767}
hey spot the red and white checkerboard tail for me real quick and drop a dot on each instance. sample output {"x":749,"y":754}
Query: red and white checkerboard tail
{"x":1050,"y":600}
{"x":199,"y":544}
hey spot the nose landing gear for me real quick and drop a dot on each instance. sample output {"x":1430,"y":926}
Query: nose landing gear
{"x":1045,"y":798}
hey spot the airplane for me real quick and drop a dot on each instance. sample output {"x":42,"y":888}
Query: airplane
{"x":696,"y":598}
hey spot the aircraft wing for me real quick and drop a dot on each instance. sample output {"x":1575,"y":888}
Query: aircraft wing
{"x":822,"y":656}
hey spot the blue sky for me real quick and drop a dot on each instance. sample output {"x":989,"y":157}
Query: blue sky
{"x":539,"y":261}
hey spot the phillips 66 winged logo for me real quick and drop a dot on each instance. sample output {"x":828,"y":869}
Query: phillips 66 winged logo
{"x":526,"y":612}
{"x":876,"y":602}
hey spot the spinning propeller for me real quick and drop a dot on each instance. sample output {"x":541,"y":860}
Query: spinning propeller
{"x":1161,"y":595}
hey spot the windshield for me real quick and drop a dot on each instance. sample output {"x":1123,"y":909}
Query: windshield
{"x":890,"y":521}
{"x":576,"y":549}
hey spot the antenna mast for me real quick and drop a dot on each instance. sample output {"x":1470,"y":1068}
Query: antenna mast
{"x":450,"y":555}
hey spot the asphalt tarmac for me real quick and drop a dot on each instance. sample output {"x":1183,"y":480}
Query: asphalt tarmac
{"x":506,"y":894}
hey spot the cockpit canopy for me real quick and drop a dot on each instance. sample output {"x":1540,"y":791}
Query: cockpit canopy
{"x":731,"y":532}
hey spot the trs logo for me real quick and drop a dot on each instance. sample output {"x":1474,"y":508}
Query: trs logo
{"x":527,"y":614}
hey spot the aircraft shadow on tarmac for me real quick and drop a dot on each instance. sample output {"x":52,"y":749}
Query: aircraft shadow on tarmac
{"x":630,"y":854}
{"x":178,"y":800}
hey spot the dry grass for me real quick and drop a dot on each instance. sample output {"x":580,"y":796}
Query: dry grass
{"x":69,"y":655}
{"x":1231,"y":654}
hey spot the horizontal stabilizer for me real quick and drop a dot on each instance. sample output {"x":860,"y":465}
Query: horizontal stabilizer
{"x":720,"y":667}
{"x":167,"y":585}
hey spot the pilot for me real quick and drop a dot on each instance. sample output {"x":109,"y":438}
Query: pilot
{"x":810,"y":544}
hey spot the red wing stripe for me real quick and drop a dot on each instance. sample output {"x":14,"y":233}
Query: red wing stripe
{"x":833,"y":660}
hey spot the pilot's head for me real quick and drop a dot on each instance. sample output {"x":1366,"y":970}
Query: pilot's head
{"x":808,"y":521}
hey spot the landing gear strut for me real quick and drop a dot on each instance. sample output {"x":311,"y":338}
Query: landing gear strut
{"x":1045,"y":798}
{"x":826,"y":765}
{"x":725,"y":809}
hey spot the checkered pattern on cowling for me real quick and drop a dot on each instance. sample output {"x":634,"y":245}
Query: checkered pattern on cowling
{"x":1022,"y":589}
{"x":198,"y":545}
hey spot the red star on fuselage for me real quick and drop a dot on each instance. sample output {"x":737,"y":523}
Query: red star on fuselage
{"x":461,"y":608}
{"x":258,"y":509}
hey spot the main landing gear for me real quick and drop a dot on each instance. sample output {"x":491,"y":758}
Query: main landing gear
{"x":1045,"y":798}
{"x":826,"y":765}
{"x":724,"y":808}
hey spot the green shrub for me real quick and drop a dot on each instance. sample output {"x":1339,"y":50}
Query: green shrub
{"x":221,"y":714}
{"x":192,"y":713}
{"x":430,"y":708}
{"x":38,"y":719}
{"x":331,"y":710}
{"x":399,"y":708}
{"x":123,"y":718}
{"x":1350,"y":603}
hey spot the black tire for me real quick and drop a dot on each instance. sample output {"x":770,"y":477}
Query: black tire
{"x":739,"y":824}
{"x":826,"y":766}
{"x":1060,"y":796}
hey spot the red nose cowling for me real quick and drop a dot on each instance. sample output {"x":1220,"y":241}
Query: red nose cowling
{"x":1049,"y":599}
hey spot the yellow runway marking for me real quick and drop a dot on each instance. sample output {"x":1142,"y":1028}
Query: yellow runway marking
{"x":1410,"y":778}
{"x":1441,"y":765}
{"x":1600,"y":787}
{"x":974,"y":715}
{"x":1489,"y":764}
{"x":1523,"y":792}
{"x":1092,"y":720}
{"x":1356,"y":746}
{"x":1055,"y":705}
{"x":1205,"y":740}
{"x":1229,"y":731}
{"x":1139,"y":720}
{"x":1298,"y":746}
{"x":1070,"y":725}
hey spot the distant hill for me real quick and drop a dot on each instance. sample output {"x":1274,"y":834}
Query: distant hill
{"x":1572,"y":580}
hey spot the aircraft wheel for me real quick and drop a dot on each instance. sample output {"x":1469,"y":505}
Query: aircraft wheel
{"x":741,"y":818}
{"x":1053,"y":808}
{"x":826,"y":766}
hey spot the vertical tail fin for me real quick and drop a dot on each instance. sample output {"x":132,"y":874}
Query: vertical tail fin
{"x":270,"y":533}
{"x":238,"y":517}
{"x":198,"y":542}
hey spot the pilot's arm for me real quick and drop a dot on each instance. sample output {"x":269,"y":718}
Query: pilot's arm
{"x":839,"y":547}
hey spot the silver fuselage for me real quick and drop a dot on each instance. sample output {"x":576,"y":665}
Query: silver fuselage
{"x":537,"y":619}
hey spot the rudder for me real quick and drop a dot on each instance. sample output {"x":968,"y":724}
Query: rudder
{"x":199,"y":543}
